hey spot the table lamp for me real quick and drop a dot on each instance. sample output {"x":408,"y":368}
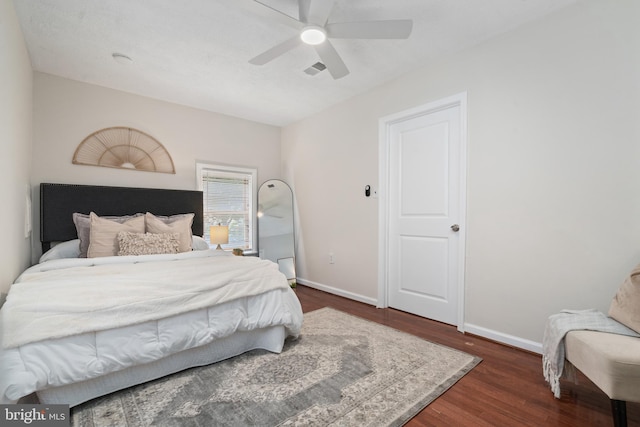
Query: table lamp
{"x":219,"y":234}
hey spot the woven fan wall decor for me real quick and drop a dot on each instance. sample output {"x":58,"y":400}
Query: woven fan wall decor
{"x":123,"y":148}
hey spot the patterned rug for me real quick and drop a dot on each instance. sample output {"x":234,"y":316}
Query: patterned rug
{"x":342,"y":371}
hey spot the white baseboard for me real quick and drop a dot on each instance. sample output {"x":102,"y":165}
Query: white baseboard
{"x":503,"y":338}
{"x":480,"y":331}
{"x":335,"y":291}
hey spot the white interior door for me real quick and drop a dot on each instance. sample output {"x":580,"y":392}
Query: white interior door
{"x":424,"y":213}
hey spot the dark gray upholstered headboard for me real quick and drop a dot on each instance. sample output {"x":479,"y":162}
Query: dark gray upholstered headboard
{"x":58,"y":202}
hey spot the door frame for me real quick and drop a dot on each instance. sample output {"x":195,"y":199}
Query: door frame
{"x":384,"y":142}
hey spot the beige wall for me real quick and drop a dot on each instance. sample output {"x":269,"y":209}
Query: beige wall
{"x":15,"y":145}
{"x":552,"y":161}
{"x":553,"y":156}
{"x":66,"y":111}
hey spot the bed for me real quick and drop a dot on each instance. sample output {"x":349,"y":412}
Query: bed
{"x":74,"y":328}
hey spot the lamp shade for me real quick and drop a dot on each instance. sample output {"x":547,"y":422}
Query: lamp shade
{"x":219,"y":235}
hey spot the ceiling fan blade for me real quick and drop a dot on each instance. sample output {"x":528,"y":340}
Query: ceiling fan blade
{"x":276,"y":51}
{"x":332,"y":60}
{"x":392,"y":29}
{"x":319,"y":11}
{"x":303,"y":10}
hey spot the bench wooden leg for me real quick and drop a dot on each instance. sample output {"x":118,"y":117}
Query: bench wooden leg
{"x":619,"y":411}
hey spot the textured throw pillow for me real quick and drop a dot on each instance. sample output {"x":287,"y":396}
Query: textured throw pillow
{"x":180,"y":224}
{"x":147,"y":243}
{"x":625,"y":307}
{"x":83,"y":225}
{"x":103,"y":235}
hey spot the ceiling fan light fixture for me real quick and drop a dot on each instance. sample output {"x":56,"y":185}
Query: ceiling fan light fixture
{"x":313,"y":35}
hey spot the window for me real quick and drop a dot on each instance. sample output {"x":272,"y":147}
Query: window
{"x":229,"y":195}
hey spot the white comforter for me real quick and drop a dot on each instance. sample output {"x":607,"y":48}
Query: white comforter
{"x":75,"y":319}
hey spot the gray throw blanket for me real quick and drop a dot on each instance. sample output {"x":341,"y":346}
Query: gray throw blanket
{"x":557,"y":327}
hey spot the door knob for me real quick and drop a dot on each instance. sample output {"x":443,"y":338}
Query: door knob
{"x":455,"y":227}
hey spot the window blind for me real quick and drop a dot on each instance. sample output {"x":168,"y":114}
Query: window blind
{"x":228,"y":200}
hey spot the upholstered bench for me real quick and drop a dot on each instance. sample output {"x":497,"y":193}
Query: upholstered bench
{"x":610,"y":361}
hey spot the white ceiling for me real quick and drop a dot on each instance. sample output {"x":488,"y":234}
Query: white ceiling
{"x":196,"y":52}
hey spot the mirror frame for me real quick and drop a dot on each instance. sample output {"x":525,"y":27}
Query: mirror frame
{"x":286,"y":264}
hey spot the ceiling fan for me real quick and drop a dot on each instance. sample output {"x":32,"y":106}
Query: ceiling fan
{"x":315,"y":31}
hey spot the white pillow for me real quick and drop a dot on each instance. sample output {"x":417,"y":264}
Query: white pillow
{"x":199,"y":244}
{"x":68,"y":249}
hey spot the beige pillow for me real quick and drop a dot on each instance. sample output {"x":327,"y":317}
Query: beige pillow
{"x":103,"y":235}
{"x":147,"y":243}
{"x":180,"y":224}
{"x":83,"y":225}
{"x":625,"y":307}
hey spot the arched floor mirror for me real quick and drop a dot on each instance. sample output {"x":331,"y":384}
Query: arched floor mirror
{"x":275,"y":226}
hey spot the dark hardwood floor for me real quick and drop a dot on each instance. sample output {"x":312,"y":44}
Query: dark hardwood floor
{"x":506,"y":389}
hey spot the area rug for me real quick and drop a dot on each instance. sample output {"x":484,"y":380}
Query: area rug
{"x":341,"y":371}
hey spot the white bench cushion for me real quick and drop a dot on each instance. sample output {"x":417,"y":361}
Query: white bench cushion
{"x":611,"y":361}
